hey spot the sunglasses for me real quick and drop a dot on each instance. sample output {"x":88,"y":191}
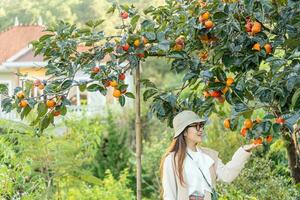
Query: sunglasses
{"x":198,"y":126}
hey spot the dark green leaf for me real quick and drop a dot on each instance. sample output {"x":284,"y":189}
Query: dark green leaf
{"x":238,"y":109}
{"x":221,"y":75}
{"x":188,"y":76}
{"x":295,"y":98}
{"x":149,"y":93}
{"x":122,"y":100}
{"x":150,"y":35}
{"x":42,"y":109}
{"x":25,"y":112}
{"x":269,"y":116}
{"x":148,"y":83}
{"x":6,"y":105}
{"x":3,"y":89}
{"x":164,"y":45}
{"x":93,"y":87}
{"x":66,"y":84}
{"x":130,"y":95}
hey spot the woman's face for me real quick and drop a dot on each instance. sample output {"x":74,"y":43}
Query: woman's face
{"x":193,"y":133}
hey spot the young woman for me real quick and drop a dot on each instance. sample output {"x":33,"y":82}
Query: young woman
{"x":190,"y":172}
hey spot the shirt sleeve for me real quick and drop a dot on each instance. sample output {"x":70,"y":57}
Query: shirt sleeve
{"x":168,"y":179}
{"x":229,"y":171}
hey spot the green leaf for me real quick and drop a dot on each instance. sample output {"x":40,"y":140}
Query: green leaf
{"x":123,"y":87}
{"x":103,"y":91}
{"x":228,"y":97}
{"x":234,"y":122}
{"x":248,"y":114}
{"x":269,"y":116}
{"x":276,"y":128}
{"x":148,"y":25}
{"x":276,"y":63}
{"x":263,"y":127}
{"x":45,"y":122}
{"x":219,"y":16}
{"x":148,"y":83}
{"x":238,"y":109}
{"x":264,"y":94}
{"x":122,"y":100}
{"x":292,"y":118}
{"x":227,"y":60}
{"x":188,"y":76}
{"x":42,"y":109}
{"x":150,"y":35}
{"x":45,"y":37}
{"x":90,"y":179}
{"x":295,"y":98}
{"x":158,"y":107}
{"x":63,"y":110}
{"x":93,"y":87}
{"x":130,"y":95}
{"x":25,"y":112}
{"x":82,"y":87}
{"x":84,"y":30}
{"x":292,"y":82}
{"x":111,"y":9}
{"x":296,"y":54}
{"x":66,"y":84}
{"x":90,"y":23}
{"x":28,"y":87}
{"x":125,"y":7}
{"x":161,"y":36}
{"x":3,"y":89}
{"x":178,"y":55}
{"x":66,"y":102}
{"x":134,"y":21}
{"x":6,"y":105}
{"x":98,"y":22}
{"x":164,"y":45}
{"x":149,"y":93}
{"x":216,"y":85}
{"x":149,"y":10}
{"x":171,"y":99}
{"x":221,"y":75}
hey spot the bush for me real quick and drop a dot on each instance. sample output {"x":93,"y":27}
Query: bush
{"x":51,"y":165}
{"x":257,"y":181}
{"x":108,"y":189}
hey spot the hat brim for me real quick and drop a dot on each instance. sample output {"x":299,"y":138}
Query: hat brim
{"x":190,"y":122}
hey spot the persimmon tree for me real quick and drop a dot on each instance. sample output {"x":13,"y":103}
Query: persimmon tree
{"x":242,"y":53}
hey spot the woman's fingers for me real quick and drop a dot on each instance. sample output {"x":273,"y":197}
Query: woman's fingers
{"x":252,"y":146}
{"x":255,"y":145}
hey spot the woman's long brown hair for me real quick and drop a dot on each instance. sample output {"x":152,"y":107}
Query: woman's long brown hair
{"x":178,"y":146}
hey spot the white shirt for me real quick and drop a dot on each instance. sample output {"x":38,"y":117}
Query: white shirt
{"x":196,"y":184}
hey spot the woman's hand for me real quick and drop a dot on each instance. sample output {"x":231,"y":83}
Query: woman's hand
{"x":249,"y":147}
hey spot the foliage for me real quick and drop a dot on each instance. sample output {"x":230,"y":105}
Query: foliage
{"x":256,"y":174}
{"x":251,"y":88}
{"x":61,"y":165}
{"x":73,"y":158}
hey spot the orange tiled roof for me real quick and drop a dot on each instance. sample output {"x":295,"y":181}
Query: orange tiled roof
{"x":16,"y":38}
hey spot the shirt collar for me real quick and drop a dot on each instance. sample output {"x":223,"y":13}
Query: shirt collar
{"x":195,"y":155}
{"x":191,"y":152}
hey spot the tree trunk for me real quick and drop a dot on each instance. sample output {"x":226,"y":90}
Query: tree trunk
{"x":293,"y":157}
{"x":138,"y":135}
